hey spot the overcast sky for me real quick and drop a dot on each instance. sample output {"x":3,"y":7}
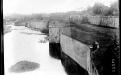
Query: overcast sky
{"x":47,"y":6}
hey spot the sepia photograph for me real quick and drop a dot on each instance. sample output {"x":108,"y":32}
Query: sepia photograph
{"x":61,"y":37}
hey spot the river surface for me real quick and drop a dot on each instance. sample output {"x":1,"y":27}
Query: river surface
{"x":23,"y":44}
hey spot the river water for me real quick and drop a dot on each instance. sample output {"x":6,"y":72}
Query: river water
{"x":23,"y":44}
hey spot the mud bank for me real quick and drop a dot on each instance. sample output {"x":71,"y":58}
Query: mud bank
{"x":24,"y":66}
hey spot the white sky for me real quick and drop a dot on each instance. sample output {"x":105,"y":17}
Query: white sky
{"x":47,"y":6}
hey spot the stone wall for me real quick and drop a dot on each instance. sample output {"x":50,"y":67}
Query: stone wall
{"x":107,"y":21}
{"x":37,"y":24}
{"x":54,"y":35}
{"x":110,"y":21}
{"x":75,"y":39}
{"x":75,"y":49}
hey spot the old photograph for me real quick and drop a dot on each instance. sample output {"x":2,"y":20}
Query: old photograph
{"x":61,"y":37}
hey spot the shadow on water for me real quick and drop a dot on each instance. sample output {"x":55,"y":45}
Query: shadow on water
{"x":55,"y":50}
